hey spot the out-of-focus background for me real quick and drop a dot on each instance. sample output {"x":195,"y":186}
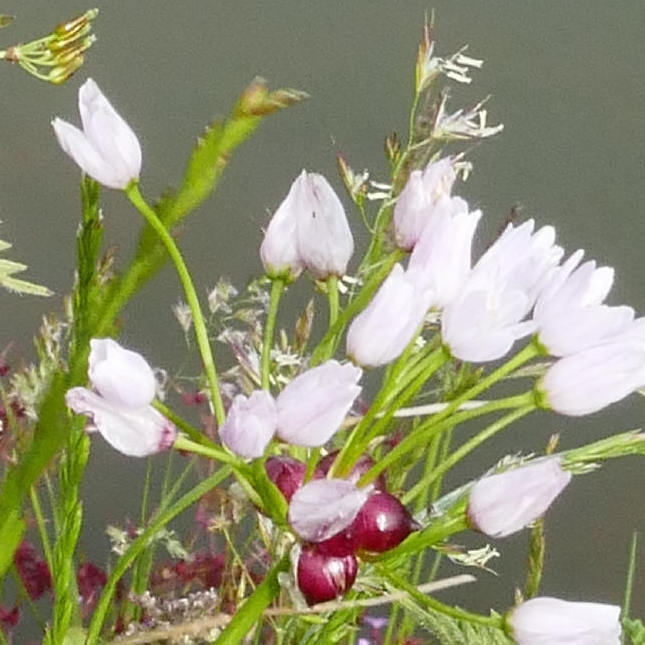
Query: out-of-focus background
{"x":567,"y":80}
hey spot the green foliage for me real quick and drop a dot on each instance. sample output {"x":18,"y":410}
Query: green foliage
{"x":8,"y":268}
{"x":635,"y":631}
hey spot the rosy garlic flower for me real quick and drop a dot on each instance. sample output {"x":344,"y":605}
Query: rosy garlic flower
{"x":250,"y":424}
{"x":106,"y":149}
{"x":488,"y":316}
{"x":551,"y":621}
{"x":504,"y":503}
{"x":120,"y":407}
{"x":415,"y":205}
{"x":569,"y":312}
{"x":594,"y":378}
{"x":313,"y":405}
{"x":383,"y":329}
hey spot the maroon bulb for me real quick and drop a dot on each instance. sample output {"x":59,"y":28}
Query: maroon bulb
{"x":324,"y":577}
{"x":359,"y":469}
{"x":381,"y":524}
{"x":286,"y":473}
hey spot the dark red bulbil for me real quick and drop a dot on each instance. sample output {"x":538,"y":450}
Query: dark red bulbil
{"x":324,"y":577}
{"x":286,"y":473}
{"x":33,"y":570}
{"x":359,"y":469}
{"x":381,"y":524}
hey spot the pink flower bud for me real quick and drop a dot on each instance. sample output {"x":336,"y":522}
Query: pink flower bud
{"x":121,"y":376}
{"x":324,"y":507}
{"x":279,"y":249}
{"x":506,"y":502}
{"x":325,"y":241}
{"x":383,"y":329}
{"x":106,"y":149}
{"x":250,"y":424}
{"x":415,"y":205}
{"x":551,"y":621}
{"x":324,"y":577}
{"x":312,"y":407}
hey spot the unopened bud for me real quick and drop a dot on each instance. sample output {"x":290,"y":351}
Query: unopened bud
{"x":62,"y":73}
{"x":73,"y":27}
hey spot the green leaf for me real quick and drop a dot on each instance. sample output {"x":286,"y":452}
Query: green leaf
{"x":9,"y":267}
{"x":250,"y":612}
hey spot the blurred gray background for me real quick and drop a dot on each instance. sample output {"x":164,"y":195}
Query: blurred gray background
{"x":567,"y":80}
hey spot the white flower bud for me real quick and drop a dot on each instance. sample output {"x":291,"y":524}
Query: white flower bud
{"x":250,"y":424}
{"x":106,"y":149}
{"x":312,"y":407}
{"x":551,"y":621}
{"x":505,"y":503}
{"x":383,"y":329}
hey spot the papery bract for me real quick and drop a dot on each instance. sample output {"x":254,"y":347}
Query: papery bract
{"x":324,"y":507}
{"x":414,"y":206}
{"x":441,"y":259}
{"x":250,"y":424}
{"x":594,"y":378}
{"x":136,"y":432}
{"x":106,"y":149}
{"x":504,"y":503}
{"x":121,"y":376}
{"x":279,"y":249}
{"x":324,"y":577}
{"x":312,"y":407}
{"x":551,"y":621}
{"x":384,"y":328}
{"x":324,"y":239}
{"x":569,"y":312}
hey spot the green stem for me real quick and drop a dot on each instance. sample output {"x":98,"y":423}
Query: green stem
{"x":428,"y":430}
{"x":466,"y":449}
{"x":327,"y":345}
{"x":42,"y":528}
{"x":631,"y":572}
{"x":141,"y":542}
{"x":201,"y":333}
{"x":194,"y":434}
{"x":435,"y":605}
{"x":332,"y":297}
{"x":277,"y":287}
{"x":211,"y":451}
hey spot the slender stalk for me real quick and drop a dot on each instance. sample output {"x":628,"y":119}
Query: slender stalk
{"x":212,"y":452}
{"x":277,"y":287}
{"x":42,"y":528}
{"x":631,"y":572}
{"x":466,"y":449}
{"x":201,"y":332}
{"x":332,"y":297}
{"x":196,"y":435}
{"x":327,"y":345}
{"x":429,"y":429}
{"x":436,"y":605}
